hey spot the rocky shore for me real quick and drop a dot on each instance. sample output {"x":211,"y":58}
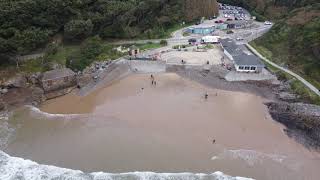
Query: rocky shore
{"x":301,"y":120}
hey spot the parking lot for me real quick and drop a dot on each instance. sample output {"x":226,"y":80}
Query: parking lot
{"x":192,"y":57}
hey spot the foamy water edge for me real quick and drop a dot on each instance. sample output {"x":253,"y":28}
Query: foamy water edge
{"x":17,"y":168}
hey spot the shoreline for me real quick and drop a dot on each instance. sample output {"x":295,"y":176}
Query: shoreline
{"x":213,"y":79}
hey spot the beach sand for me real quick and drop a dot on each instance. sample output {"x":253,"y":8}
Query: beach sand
{"x":135,"y":126}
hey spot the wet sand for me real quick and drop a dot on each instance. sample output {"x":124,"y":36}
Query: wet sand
{"x":165,"y":128}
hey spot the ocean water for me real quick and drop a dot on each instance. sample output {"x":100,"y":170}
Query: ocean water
{"x":12,"y":168}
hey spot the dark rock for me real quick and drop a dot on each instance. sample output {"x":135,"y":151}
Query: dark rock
{"x":18,"y":81}
{"x":301,"y":120}
{"x":2,"y":106}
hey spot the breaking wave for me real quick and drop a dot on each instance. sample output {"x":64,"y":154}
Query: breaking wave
{"x":38,"y":112}
{"x":12,"y":168}
{"x":6,"y":130}
{"x":252,"y":157}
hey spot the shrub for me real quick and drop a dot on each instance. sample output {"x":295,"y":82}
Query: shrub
{"x":163,"y":42}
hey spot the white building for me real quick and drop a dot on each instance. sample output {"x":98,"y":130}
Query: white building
{"x":243,"y":62}
{"x":210,"y":39}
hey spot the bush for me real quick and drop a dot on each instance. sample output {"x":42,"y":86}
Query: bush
{"x":89,"y":52}
{"x":78,"y":29}
{"x":163,"y":42}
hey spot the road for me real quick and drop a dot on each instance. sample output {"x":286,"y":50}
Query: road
{"x":306,"y":83}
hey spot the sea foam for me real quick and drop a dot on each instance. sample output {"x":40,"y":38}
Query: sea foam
{"x":12,"y":168}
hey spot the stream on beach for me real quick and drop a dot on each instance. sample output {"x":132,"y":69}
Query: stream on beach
{"x":134,"y":126}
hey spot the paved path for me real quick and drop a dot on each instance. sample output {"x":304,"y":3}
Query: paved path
{"x":306,"y":83}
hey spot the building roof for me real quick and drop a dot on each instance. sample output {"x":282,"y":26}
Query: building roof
{"x":57,"y":73}
{"x":238,"y":53}
{"x":247,"y":60}
{"x":230,"y":46}
{"x":237,"y":22}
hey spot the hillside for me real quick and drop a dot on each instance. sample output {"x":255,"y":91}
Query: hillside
{"x":294,"y":42}
{"x":26,"y":25}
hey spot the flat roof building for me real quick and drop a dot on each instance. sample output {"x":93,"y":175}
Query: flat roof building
{"x":243,"y":61}
{"x":204,"y":30}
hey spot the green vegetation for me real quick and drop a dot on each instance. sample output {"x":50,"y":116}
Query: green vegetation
{"x":163,"y":42}
{"x":148,"y":45}
{"x":28,"y":26}
{"x":296,"y":86}
{"x":295,"y":44}
{"x":186,"y":34}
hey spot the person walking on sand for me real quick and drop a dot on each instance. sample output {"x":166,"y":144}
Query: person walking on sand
{"x":152,"y":79}
{"x":155,"y":83}
{"x":213,"y":141}
{"x":206,"y":95}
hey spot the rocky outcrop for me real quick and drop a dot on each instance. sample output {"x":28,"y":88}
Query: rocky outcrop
{"x":302,"y":121}
{"x":18,"y":81}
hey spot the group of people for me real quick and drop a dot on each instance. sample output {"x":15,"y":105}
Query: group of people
{"x":206,"y":95}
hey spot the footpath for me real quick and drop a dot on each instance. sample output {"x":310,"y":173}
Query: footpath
{"x":306,"y":83}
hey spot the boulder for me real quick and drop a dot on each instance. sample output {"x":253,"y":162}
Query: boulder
{"x":18,"y":81}
{"x":38,"y":94}
{"x":3,"y":91}
{"x":2,"y":106}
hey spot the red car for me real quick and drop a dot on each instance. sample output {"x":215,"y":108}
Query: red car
{"x":220,"y":21}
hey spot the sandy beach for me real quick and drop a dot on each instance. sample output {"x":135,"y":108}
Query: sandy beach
{"x":133,"y":125}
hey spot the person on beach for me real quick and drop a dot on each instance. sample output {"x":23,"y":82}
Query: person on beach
{"x":152,"y":79}
{"x":213,"y":141}
{"x":155,"y":83}
{"x":206,"y":95}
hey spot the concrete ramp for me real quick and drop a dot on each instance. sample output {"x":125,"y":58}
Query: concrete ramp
{"x":115,"y":71}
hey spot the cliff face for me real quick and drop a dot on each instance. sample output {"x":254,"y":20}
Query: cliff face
{"x":200,"y":8}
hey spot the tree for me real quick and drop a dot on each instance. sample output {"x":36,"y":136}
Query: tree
{"x":78,"y":29}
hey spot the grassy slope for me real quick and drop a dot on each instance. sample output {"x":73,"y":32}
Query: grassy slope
{"x":297,"y":87}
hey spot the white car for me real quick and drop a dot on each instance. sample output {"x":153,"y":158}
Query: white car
{"x":267,"y":23}
{"x":239,"y":39}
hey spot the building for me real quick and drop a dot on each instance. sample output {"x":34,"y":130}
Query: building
{"x":222,"y":26}
{"x":243,"y":61}
{"x":230,"y":48}
{"x":58,"y":80}
{"x":210,"y":39}
{"x":248,"y":63}
{"x":237,"y":24}
{"x":204,"y":30}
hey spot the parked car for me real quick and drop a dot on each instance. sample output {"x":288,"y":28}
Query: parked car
{"x":198,"y":22}
{"x":229,"y":32}
{"x":267,"y":23}
{"x":217,"y":22}
{"x":220,"y":21}
{"x":239,"y":39}
{"x":229,"y":19}
{"x":192,"y":40}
